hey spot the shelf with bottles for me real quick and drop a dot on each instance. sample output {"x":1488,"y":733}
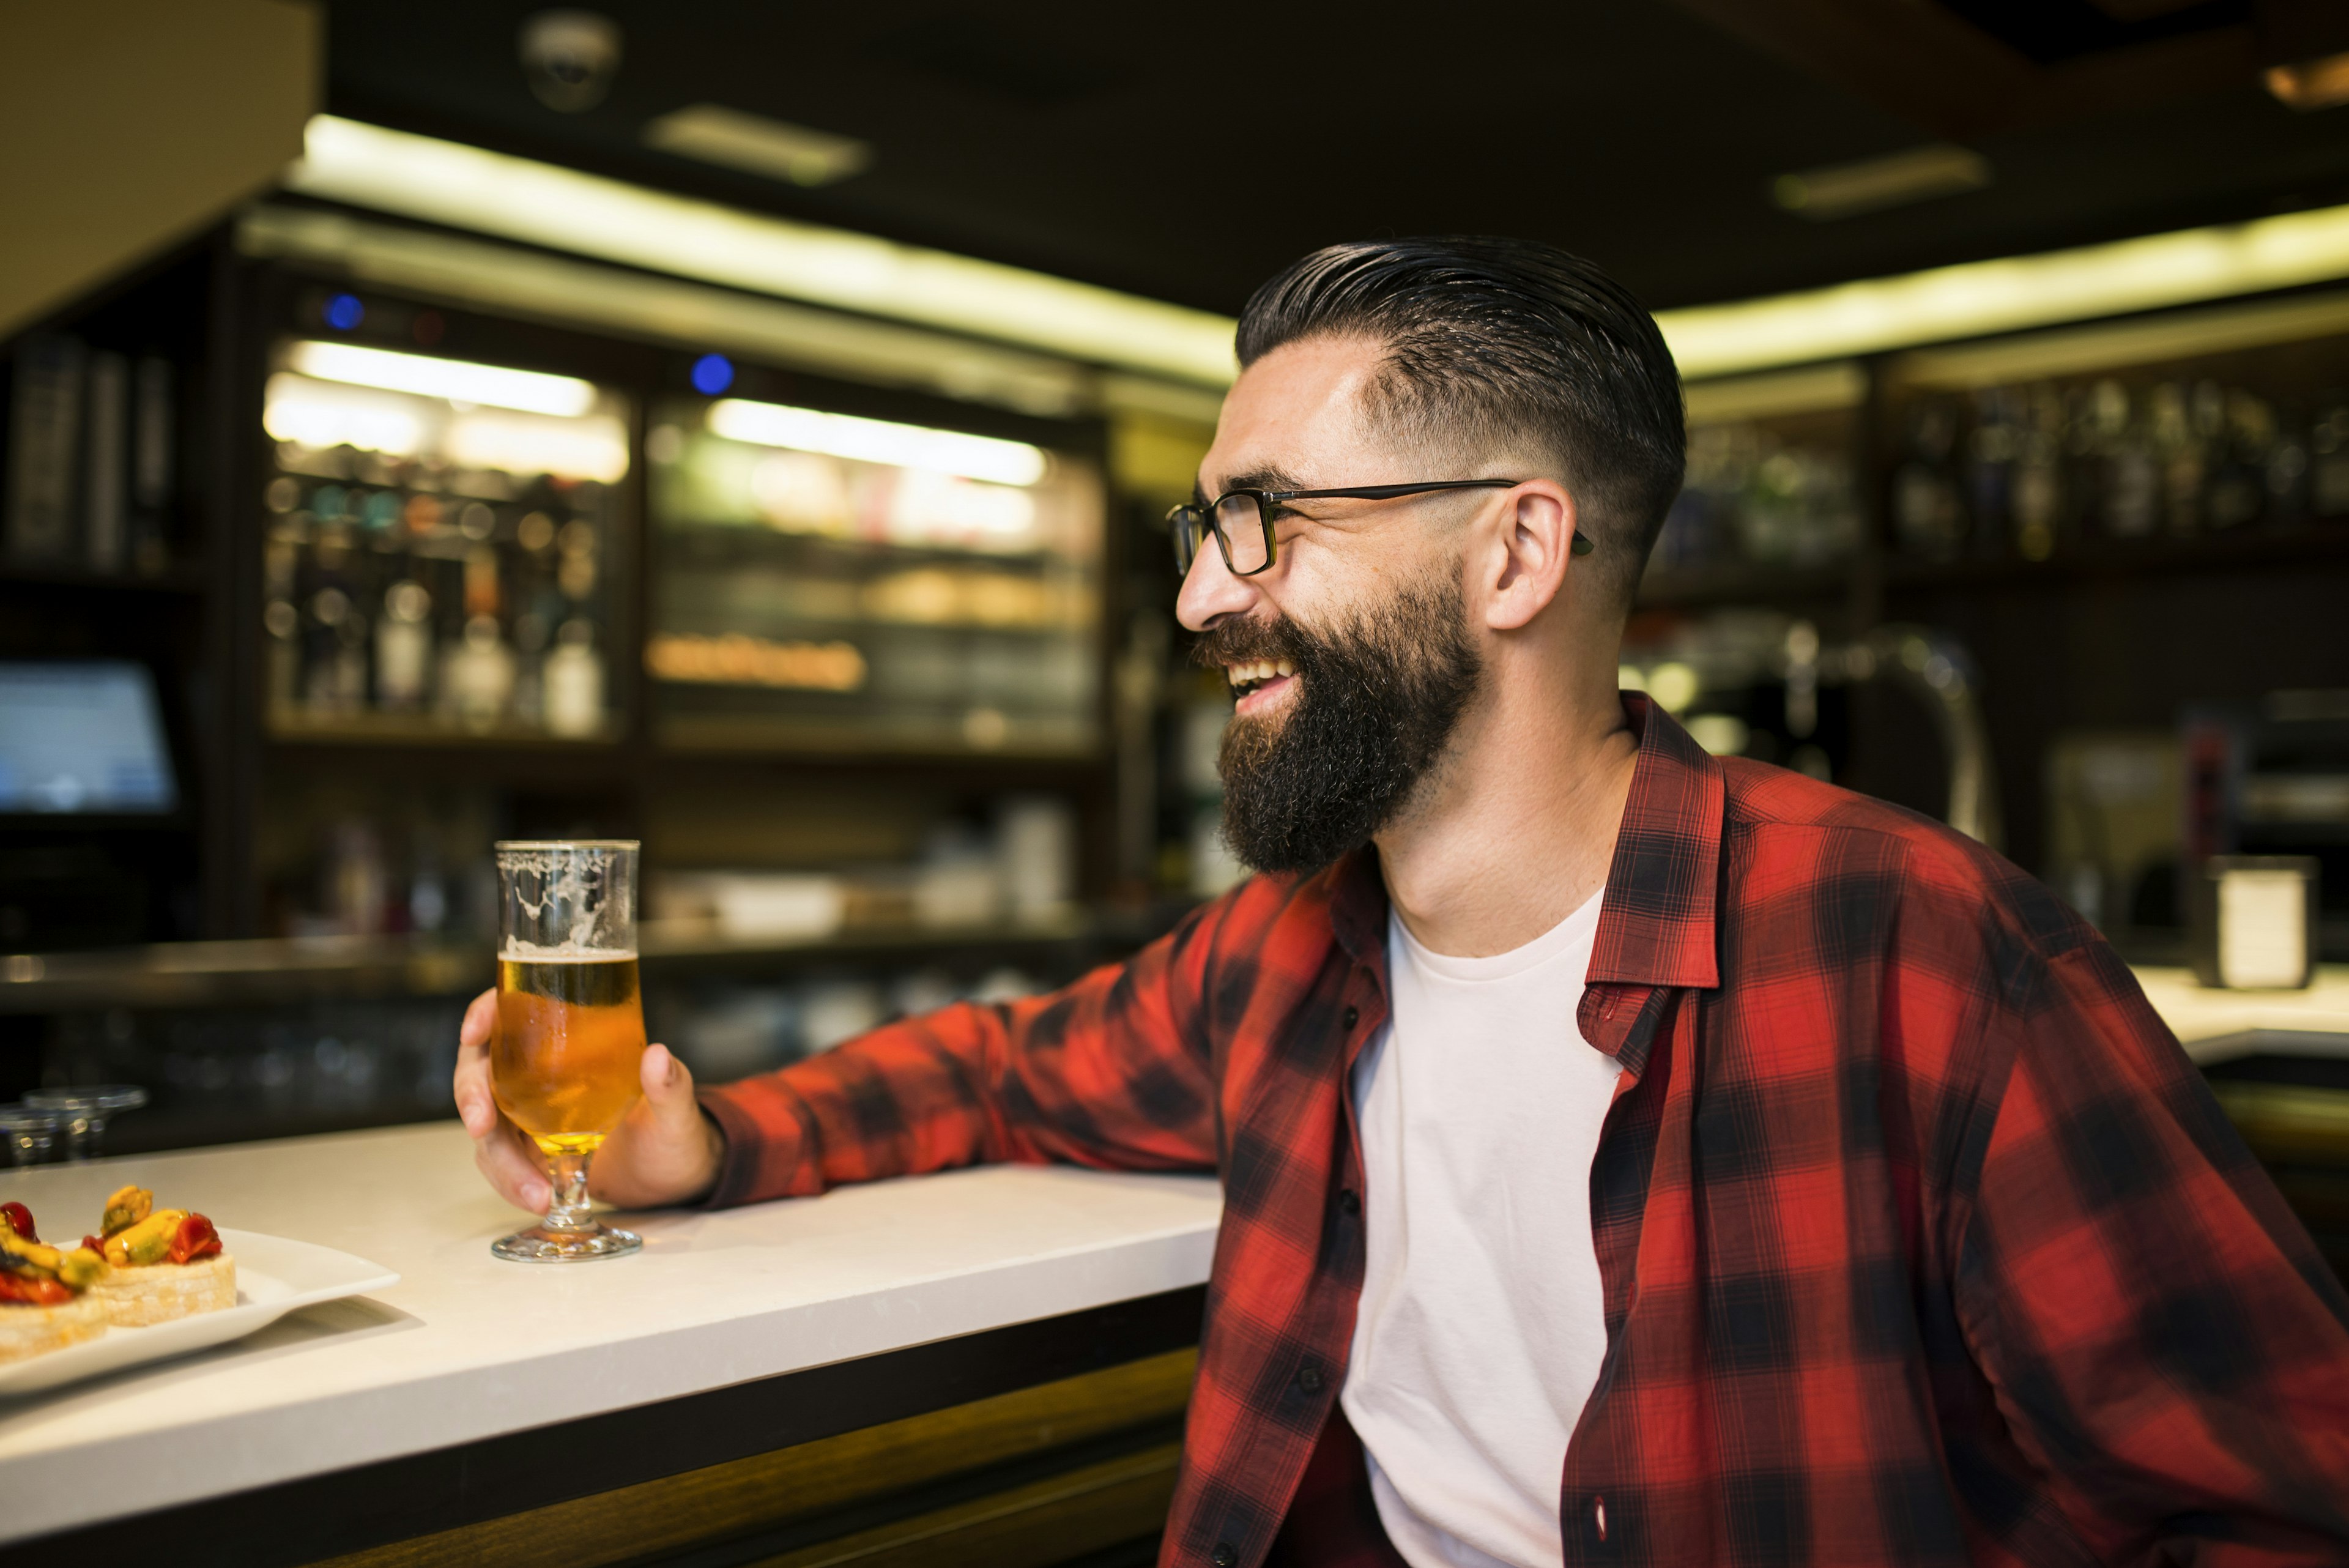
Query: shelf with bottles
{"x":1771,"y":498}
{"x":2113,"y":448}
{"x":829,"y":583}
{"x":437,"y":548}
{"x":93,"y":461}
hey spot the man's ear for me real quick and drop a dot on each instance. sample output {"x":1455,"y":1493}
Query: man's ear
{"x":1531,"y":554}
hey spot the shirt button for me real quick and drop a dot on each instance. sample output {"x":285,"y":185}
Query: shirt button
{"x":1353,"y":1016}
{"x":1351,"y":1202}
{"x":1310,"y":1379}
{"x":1225,"y":1555}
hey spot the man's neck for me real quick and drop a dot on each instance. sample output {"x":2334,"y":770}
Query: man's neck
{"x":1517,"y":829}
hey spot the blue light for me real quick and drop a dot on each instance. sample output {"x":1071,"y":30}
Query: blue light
{"x":345,"y":312}
{"x":712,"y":374}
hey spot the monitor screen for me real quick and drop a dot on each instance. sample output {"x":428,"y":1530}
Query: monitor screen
{"x":85,"y":736}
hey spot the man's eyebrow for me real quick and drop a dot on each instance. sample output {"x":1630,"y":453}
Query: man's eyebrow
{"x":1271,"y":476}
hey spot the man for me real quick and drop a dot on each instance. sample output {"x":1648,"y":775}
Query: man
{"x":1628,"y":1156}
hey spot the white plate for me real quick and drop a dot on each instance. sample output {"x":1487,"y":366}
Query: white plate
{"x":274,"y":1276}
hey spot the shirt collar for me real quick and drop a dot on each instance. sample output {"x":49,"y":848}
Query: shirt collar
{"x":1656,"y":924}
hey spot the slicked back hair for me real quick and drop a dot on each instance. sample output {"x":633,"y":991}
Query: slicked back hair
{"x":1501,"y":345}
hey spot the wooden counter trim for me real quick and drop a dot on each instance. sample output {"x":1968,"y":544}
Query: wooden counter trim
{"x":725,"y":1503}
{"x":350,"y":1512}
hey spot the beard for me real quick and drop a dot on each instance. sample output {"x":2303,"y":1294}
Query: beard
{"x":1372,"y":714}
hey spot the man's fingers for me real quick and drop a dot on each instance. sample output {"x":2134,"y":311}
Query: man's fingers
{"x":470,"y":1086}
{"x":480,"y":1021}
{"x":512,"y":1164}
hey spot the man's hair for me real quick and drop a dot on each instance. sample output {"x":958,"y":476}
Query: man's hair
{"x":1506,"y":345}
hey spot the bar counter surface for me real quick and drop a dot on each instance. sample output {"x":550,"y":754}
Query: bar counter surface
{"x":467,"y":1348}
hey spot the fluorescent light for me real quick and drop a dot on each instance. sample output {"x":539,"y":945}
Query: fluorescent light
{"x":523,"y":445}
{"x":454,"y":380}
{"x":483,"y":274}
{"x":775,"y":148}
{"x":1844,"y":190}
{"x":877,"y":440}
{"x":1978,"y":299}
{"x":542,"y":205}
{"x":322,"y":417}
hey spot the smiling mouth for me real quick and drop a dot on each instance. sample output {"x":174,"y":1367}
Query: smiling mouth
{"x":1252,"y":675}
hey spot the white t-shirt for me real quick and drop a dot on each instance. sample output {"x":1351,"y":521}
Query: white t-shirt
{"x":1482,"y":1324}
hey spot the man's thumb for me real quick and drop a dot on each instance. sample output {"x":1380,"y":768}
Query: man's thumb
{"x":668,"y":1083}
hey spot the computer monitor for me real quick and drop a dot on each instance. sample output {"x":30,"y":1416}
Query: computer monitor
{"x":83,"y":737}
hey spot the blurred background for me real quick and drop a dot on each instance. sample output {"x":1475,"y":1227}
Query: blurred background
{"x":747,"y":428}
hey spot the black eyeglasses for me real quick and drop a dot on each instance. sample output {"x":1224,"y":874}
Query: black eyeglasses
{"x":1241,"y":520}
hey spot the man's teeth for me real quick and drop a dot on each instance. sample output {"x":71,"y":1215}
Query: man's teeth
{"x":1259,"y":671}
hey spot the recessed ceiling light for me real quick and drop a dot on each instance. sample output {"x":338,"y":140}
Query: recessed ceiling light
{"x":1843,"y":190}
{"x":774,"y":148}
{"x":2312,"y":84}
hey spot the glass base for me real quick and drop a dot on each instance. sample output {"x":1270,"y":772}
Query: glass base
{"x":540,"y":1245}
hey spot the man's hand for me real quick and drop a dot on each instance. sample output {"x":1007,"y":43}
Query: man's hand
{"x":665,"y":1151}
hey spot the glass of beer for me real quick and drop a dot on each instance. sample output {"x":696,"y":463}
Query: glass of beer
{"x":571,"y":1025}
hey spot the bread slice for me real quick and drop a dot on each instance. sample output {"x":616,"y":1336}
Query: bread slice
{"x":139,"y":1295}
{"x":29,"y":1330}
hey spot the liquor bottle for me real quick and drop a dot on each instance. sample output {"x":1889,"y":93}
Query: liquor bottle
{"x":2039,"y":474}
{"x":2132,"y":478}
{"x":45,"y":430}
{"x":2238,"y":475}
{"x":574,"y":677}
{"x":477,"y":675}
{"x":1991,"y":452}
{"x":1925,"y":511}
{"x":2328,"y":443}
{"x":403,"y":647}
{"x":2287,"y":471}
{"x":2178,"y":452}
{"x":153,"y":466}
{"x":105,"y":499}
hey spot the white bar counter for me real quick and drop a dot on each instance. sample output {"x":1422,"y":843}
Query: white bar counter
{"x":467,"y":1347}
{"x":2216,"y":1025}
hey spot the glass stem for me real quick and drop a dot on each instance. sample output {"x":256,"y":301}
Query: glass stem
{"x":570,"y":1213}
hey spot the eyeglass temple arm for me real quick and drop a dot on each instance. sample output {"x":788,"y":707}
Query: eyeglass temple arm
{"x":1581,"y":544}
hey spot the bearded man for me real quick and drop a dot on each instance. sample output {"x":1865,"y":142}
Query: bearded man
{"x":1629,"y":1156}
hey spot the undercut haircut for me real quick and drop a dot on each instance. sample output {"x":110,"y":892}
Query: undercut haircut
{"x":1502,"y":346}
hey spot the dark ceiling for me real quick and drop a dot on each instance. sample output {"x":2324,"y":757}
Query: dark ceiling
{"x":1185,"y":152}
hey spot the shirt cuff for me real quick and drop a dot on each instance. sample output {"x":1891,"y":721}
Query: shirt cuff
{"x":749,"y":1148}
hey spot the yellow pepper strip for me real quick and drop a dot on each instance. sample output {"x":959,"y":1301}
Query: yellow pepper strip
{"x":80,"y":1269}
{"x":128,"y":1206}
{"x":148,"y":1242}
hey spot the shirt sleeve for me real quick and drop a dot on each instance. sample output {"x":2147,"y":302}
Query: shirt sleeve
{"x":1112,"y":1072}
{"x":2165,"y":1344}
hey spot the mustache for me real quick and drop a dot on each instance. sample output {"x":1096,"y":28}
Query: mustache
{"x":1238,"y":641}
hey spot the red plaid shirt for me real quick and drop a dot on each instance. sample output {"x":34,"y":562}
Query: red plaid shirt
{"x":1923,"y":1242}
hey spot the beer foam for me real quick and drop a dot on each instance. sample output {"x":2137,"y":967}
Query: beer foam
{"x":518,"y":952}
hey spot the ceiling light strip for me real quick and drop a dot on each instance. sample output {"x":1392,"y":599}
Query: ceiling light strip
{"x":1976,"y":299}
{"x":484,"y":275}
{"x":493,"y":193}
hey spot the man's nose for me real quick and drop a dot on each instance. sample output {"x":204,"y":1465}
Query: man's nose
{"x":1210,"y":591}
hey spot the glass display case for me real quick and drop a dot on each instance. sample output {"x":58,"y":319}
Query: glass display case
{"x":829,"y":582}
{"x":437,"y":551}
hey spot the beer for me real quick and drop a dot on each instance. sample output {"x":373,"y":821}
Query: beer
{"x":570,"y":1033}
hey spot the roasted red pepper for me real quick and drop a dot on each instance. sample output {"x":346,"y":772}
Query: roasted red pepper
{"x":194,"y":1238}
{"x":20,"y":1219}
{"x":31,"y":1290}
{"x":94,"y":1244}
